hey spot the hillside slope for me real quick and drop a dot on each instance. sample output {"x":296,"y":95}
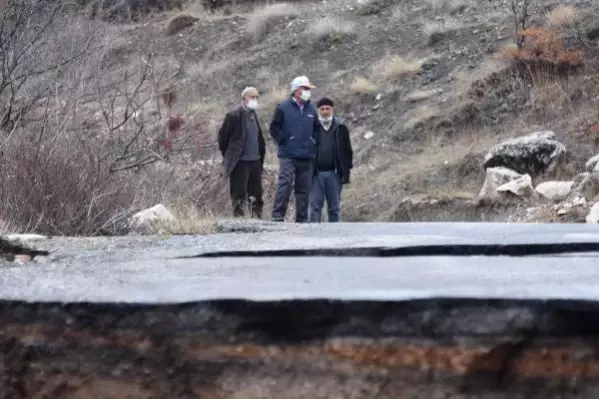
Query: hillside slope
{"x":428,"y":79}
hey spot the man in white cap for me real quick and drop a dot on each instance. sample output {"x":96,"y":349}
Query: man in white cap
{"x":242,"y":145}
{"x":295,"y":128}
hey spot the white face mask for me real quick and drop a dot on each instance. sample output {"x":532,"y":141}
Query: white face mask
{"x":306,"y":95}
{"x":252,"y":104}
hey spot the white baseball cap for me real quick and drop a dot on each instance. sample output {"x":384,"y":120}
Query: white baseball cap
{"x":301,"y":81}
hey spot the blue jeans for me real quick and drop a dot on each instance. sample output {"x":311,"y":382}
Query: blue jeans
{"x":325,"y":186}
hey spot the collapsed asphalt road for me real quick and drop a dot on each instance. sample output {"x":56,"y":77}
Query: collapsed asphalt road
{"x":156,"y":317}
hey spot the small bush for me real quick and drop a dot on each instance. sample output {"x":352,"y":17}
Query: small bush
{"x":542,"y":46}
{"x":179,"y":22}
{"x":562,"y":16}
{"x":437,"y":31}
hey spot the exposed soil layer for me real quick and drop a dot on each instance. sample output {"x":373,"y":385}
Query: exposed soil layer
{"x":300,"y":349}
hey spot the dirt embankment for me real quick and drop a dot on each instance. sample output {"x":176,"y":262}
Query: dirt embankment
{"x":311,"y":349}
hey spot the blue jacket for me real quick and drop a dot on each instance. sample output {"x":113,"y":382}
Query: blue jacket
{"x":295,"y":130}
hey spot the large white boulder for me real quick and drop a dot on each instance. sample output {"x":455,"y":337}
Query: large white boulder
{"x":532,"y":154}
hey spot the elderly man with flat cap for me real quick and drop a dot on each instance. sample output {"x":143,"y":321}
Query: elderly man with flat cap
{"x":333,"y":163}
{"x":242,"y":145}
{"x":294,"y":127}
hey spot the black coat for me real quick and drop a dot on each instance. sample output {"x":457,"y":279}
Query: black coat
{"x":231,"y":139}
{"x":344,"y":159}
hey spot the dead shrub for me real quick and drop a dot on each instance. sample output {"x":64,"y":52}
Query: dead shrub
{"x":361,"y":85}
{"x":562,"y":16}
{"x":542,"y":46}
{"x":394,"y":67}
{"x":54,"y":187}
{"x":262,"y":20}
{"x":330,"y":29}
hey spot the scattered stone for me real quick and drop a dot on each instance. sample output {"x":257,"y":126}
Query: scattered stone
{"x":566,"y":206}
{"x":586,"y":185}
{"x":26,"y":237}
{"x":151,"y":220}
{"x":591,"y":165}
{"x":22,"y":258}
{"x":520,"y":187}
{"x":368,"y":135}
{"x":555,"y":190}
{"x":495,"y":178}
{"x":593,"y":216}
{"x":533,"y":154}
{"x":578,"y":201}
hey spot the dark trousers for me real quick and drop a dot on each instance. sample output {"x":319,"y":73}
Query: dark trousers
{"x":325,"y":186}
{"x":298,"y":171}
{"x":246,"y":187}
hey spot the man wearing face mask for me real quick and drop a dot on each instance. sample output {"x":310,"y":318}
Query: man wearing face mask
{"x":242,"y":145}
{"x":295,"y":129}
{"x":334,"y":160}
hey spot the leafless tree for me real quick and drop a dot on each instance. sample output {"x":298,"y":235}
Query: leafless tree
{"x":75,"y":124}
{"x":519,"y":9}
{"x":30,"y":33}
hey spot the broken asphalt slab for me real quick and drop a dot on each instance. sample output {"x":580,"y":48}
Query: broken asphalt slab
{"x":156,"y":319}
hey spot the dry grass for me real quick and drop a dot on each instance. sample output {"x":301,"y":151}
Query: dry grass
{"x":451,"y":6}
{"x":330,"y":28}
{"x":563,"y":16}
{"x":374,"y":187}
{"x":420,"y":95}
{"x":465,"y":78}
{"x":395,"y":67}
{"x":437,"y":30}
{"x":179,"y":22}
{"x":269,"y":100}
{"x":552,"y":97}
{"x":190,"y":221}
{"x":418,"y":117}
{"x":261,"y":20}
{"x":361,"y":85}
{"x":7,"y":228}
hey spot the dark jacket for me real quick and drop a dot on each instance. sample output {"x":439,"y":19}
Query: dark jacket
{"x":231,"y":139}
{"x":344,"y":159}
{"x":295,"y":130}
